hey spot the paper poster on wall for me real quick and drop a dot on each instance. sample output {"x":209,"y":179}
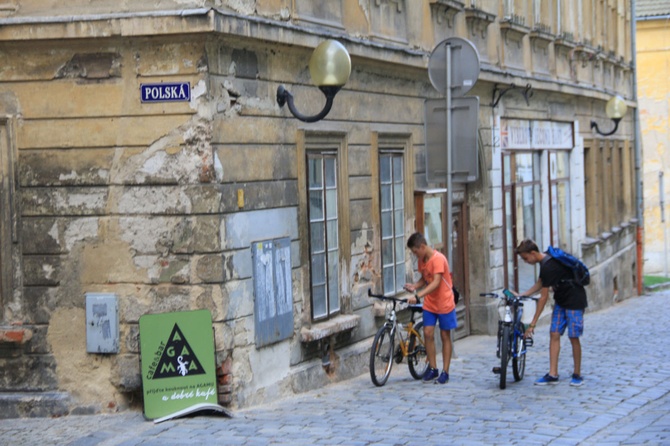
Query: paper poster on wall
{"x":178,"y":367}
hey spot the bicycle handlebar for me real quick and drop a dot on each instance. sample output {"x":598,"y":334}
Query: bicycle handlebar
{"x":498,"y":296}
{"x":381,"y":296}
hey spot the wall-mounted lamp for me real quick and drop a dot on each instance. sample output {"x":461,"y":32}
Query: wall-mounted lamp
{"x":615,"y":109}
{"x":330,"y":67}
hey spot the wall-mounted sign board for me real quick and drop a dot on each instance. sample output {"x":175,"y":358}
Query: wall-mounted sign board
{"x":172,"y":92}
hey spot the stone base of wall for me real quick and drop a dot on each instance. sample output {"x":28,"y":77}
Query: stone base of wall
{"x":32,"y":404}
{"x":345,"y":363}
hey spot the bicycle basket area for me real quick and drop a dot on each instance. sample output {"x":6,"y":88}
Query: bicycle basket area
{"x":402,"y":312}
{"x":501,"y":308}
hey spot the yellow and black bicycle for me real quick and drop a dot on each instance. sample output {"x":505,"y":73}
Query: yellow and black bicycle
{"x":410,"y":343}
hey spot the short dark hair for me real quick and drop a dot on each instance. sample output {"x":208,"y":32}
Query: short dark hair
{"x":526,"y":246}
{"x":416,"y":240}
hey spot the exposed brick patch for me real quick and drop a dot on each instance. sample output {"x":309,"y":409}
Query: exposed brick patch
{"x":15,"y":335}
{"x":224,"y":379}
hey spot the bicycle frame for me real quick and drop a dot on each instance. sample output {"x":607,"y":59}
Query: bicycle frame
{"x":512,"y":319}
{"x":392,"y":322}
{"x":511,"y":341}
{"x":384,"y":350}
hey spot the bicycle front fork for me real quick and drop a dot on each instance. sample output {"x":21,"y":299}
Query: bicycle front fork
{"x":499,"y":343}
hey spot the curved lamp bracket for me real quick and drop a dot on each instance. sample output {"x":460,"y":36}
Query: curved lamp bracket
{"x":498,"y":93}
{"x":285,"y":97}
{"x":616,"y":121}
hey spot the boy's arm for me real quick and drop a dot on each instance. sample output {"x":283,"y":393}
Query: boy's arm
{"x":534,"y":289}
{"x":432,"y":286}
{"x":411,"y":287}
{"x":544,"y":296}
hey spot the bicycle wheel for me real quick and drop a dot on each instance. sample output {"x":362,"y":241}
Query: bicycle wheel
{"x":504,"y":354}
{"x":519,"y":360}
{"x":418,"y":358}
{"x":381,"y":356}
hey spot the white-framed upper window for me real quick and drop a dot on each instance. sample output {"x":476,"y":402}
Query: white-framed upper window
{"x":392,"y":190}
{"x":559,"y":181}
{"x":324,"y":250}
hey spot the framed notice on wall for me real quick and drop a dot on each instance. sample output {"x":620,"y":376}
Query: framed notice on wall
{"x":178,"y":367}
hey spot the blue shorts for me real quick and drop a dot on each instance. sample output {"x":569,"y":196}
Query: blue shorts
{"x":572,"y":319}
{"x":447,"y":321}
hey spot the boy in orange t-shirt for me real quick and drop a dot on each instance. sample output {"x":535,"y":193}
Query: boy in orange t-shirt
{"x":436,"y":286}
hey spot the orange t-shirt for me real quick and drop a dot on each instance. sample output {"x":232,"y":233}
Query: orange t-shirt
{"x":441,"y":300}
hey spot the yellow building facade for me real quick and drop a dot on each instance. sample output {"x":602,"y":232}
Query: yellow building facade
{"x":653,"y":68}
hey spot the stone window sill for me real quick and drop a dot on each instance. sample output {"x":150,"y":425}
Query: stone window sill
{"x":322,"y":330}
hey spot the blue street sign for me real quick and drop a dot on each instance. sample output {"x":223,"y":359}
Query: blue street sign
{"x":180,"y":91}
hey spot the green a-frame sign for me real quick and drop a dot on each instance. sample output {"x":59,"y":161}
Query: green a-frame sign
{"x":178,"y":367}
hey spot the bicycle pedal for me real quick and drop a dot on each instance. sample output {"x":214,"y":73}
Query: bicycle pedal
{"x":496,"y":370}
{"x":397,"y":357}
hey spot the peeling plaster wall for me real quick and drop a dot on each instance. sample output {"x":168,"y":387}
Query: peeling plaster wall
{"x":112,"y":200}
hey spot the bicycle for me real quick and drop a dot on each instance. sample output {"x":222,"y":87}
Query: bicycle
{"x":511,"y":340}
{"x":384,"y":351}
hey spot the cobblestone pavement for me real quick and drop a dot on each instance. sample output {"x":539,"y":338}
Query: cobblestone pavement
{"x":625,"y":399}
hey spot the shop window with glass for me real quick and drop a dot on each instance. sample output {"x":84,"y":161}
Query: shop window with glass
{"x":559,"y":181}
{"x":323,"y":232}
{"x":523,"y":208}
{"x":392,"y":190}
{"x":535,"y":171}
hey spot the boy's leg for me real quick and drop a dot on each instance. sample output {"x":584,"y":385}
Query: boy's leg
{"x":575,"y":330}
{"x":577,"y":355}
{"x":446,"y":349}
{"x":429,"y":339}
{"x":554,"y":350}
{"x":448,"y":322}
{"x":559,"y":322}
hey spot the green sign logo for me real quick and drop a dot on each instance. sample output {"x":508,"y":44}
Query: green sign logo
{"x":178,"y":368}
{"x":177,"y":358}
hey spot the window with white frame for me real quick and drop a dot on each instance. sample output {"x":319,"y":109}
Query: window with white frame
{"x":559,"y":180}
{"x":8,"y":214}
{"x":392,"y":190}
{"x":523,"y":212}
{"x":322,"y":183}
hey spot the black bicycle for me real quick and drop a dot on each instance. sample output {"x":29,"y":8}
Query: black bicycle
{"x":512,"y":342}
